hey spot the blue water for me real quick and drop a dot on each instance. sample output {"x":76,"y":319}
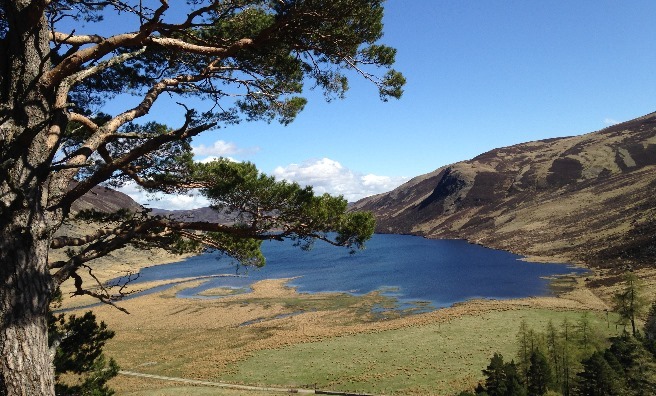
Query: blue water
{"x":409,"y":268}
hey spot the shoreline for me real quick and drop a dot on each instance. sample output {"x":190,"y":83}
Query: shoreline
{"x":117,"y":269}
{"x":181,"y":337}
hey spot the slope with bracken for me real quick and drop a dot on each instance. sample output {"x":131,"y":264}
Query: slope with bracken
{"x":586,"y":198}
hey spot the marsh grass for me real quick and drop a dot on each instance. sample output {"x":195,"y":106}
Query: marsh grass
{"x":437,"y":359}
{"x":331,"y":341}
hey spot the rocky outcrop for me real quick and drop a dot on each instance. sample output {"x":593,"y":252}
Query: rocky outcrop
{"x":586,"y":198}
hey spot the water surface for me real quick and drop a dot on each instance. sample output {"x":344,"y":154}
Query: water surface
{"x":410,"y":268}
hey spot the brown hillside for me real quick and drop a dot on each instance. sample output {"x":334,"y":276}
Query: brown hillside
{"x":586,"y":198}
{"x":106,"y":200}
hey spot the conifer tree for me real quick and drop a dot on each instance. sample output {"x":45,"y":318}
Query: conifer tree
{"x":554,"y":353}
{"x":62,"y":61}
{"x":540,"y":376}
{"x":599,"y":378}
{"x":495,"y":373}
{"x":525,"y":344}
{"x":514,"y":383}
{"x":650,"y":329}
{"x":629,"y":302}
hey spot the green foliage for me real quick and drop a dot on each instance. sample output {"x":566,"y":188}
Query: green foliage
{"x":525,"y":346}
{"x":638,"y":365}
{"x":599,"y":378}
{"x":78,"y":342}
{"x":577,"y":362}
{"x":300,"y":41}
{"x":514,"y":381}
{"x":262,"y":203}
{"x":650,"y":329}
{"x":629,"y":302}
{"x":540,"y":377}
{"x":502,"y":379}
{"x":245,"y":251}
{"x":249,"y":60}
{"x":495,"y":381}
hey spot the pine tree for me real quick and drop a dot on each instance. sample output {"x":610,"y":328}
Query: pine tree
{"x":63,"y":62}
{"x":495,"y":382}
{"x":514,"y":383}
{"x":78,"y":342}
{"x":599,"y":378}
{"x":650,"y":329}
{"x":553,"y":350}
{"x":638,"y":364}
{"x":540,"y":376}
{"x":629,"y":302}
{"x":525,"y":344}
{"x":568,"y":354}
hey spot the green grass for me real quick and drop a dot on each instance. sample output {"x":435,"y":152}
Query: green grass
{"x":431,"y":359}
{"x":196,"y":391}
{"x":362,"y":306}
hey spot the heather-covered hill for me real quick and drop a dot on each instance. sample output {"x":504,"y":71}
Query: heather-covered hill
{"x":586,"y":198}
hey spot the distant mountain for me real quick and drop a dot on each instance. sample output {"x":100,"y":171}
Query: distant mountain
{"x":588,"y":198}
{"x":105,"y":199}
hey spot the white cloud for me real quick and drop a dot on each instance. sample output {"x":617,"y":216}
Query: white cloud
{"x":215,"y":158}
{"x":610,"y":121}
{"x":221,"y":148}
{"x":329,"y":176}
{"x":164,"y":201}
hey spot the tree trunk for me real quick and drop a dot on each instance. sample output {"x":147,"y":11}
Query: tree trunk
{"x":25,"y":290}
{"x":25,"y":226}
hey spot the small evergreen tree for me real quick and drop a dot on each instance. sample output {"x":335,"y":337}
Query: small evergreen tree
{"x":584,"y":332}
{"x":502,"y":379}
{"x":77,"y":343}
{"x":629,"y":302}
{"x":540,"y":376}
{"x":553,"y":350}
{"x":514,"y":383}
{"x":525,"y":345}
{"x":495,"y":382}
{"x":599,"y":378}
{"x":650,"y":329}
{"x":567,"y":359}
{"x":638,"y":365}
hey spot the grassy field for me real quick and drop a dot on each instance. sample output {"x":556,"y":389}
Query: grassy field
{"x":328,"y":341}
{"x":195,"y":391}
{"x":438,"y":359}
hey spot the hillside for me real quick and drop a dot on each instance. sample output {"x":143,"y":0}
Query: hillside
{"x":586,"y":198}
{"x":105,"y":199}
{"x":128,"y":260}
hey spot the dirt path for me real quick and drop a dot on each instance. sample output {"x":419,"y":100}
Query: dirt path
{"x":216,"y":384}
{"x":239,"y":387}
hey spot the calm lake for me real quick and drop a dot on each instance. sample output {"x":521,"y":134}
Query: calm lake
{"x":440,"y":272}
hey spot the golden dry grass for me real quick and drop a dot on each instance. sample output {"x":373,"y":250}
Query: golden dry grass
{"x":203,"y":339}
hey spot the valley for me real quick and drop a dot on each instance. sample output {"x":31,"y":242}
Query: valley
{"x":584,"y":200}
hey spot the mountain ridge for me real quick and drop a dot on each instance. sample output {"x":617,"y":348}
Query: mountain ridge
{"x":580,"y":198}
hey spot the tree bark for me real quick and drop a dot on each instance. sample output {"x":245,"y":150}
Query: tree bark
{"x":25,"y":226}
{"x":25,"y":290}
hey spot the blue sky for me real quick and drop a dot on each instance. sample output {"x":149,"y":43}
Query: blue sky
{"x":481,"y":75}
